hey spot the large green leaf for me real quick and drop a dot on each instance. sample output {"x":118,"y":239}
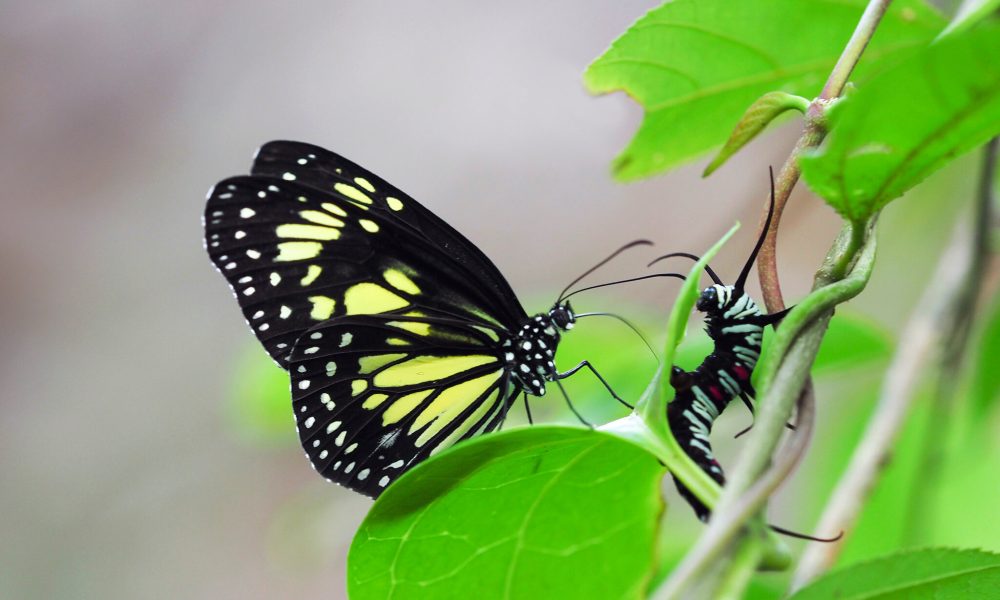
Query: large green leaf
{"x":937,"y":573}
{"x":696,"y":65}
{"x":906,"y":123}
{"x":542,"y":512}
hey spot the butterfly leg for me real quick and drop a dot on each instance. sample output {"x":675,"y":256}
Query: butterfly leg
{"x":746,"y":400}
{"x":527,"y":409}
{"x":570,"y":404}
{"x":587,"y":364}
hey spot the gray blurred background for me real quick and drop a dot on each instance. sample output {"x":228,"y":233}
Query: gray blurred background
{"x":121,"y":477}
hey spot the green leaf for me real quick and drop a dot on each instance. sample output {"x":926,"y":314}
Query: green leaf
{"x":259,"y":406}
{"x":907,"y":123}
{"x":969,"y":13}
{"x":764,"y":110}
{"x":986,"y":377}
{"x":935,"y":573}
{"x":542,"y":512}
{"x":695,"y":65}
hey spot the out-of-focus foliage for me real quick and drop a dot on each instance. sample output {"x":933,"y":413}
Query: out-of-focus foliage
{"x":259,"y":407}
{"x":934,"y":573}
{"x":906,"y":123}
{"x":690,"y":63}
{"x":542,"y":512}
{"x":969,"y":13}
{"x":852,"y":340}
{"x":985,"y":387}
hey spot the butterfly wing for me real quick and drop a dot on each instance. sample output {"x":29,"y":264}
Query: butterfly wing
{"x":324,"y":170}
{"x":375,"y":394}
{"x":296,"y":255}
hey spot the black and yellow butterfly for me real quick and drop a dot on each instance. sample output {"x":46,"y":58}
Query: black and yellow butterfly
{"x":401,"y":337}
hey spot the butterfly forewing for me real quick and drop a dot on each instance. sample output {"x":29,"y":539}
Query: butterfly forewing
{"x":324,"y":170}
{"x":296,"y":256}
{"x":374,"y":394}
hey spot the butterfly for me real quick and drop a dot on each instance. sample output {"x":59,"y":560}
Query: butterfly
{"x":400,"y":336}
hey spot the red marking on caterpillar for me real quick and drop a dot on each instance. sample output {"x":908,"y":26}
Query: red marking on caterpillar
{"x":741,"y":372}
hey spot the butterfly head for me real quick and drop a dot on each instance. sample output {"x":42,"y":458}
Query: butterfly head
{"x":715,"y":298}
{"x":562,"y":316}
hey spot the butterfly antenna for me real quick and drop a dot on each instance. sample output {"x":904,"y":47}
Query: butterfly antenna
{"x":803,"y":536}
{"x":630,"y":326}
{"x":694,"y":257}
{"x":602,"y":263}
{"x":760,"y":241}
{"x":600,"y":285}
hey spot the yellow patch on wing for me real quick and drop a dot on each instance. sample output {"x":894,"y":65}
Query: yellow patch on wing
{"x":488,"y":332}
{"x":334,"y":209}
{"x":412,"y":327}
{"x":374,"y":401}
{"x":394,"y":203}
{"x":308,"y":232}
{"x":370,"y":298}
{"x":404,"y":406}
{"x":352,"y":192}
{"x":289,"y":251}
{"x":358,"y":386}
{"x":320,"y":218}
{"x":311,"y":274}
{"x":456,"y":434}
{"x":322,"y":307}
{"x":401,"y":282}
{"x":368,"y":225}
{"x":374,"y":362}
{"x":364,"y":183}
{"x":396,"y":342}
{"x":450,"y":403}
{"x":429,"y":369}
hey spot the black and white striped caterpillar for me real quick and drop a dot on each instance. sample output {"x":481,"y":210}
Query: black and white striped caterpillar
{"x":736,"y":325}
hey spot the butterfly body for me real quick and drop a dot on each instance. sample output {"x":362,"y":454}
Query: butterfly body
{"x":735,"y":325}
{"x":530,"y":354}
{"x":399,"y":335}
{"x":733,"y":322}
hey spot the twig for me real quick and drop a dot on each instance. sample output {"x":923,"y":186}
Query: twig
{"x":947,"y":300}
{"x":791,"y":377}
{"x":812,"y":135}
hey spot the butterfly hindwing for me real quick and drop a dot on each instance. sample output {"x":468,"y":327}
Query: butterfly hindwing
{"x":374,"y":394}
{"x":296,"y":256}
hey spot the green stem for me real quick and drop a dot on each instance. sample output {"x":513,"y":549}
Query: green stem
{"x":737,"y":575}
{"x":791,"y":374}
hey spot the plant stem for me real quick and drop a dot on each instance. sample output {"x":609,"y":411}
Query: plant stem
{"x":737,"y":576}
{"x":801,"y":338}
{"x":812,"y":135}
{"x":937,"y":323}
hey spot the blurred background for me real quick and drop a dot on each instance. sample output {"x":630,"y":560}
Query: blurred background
{"x":145,"y":446}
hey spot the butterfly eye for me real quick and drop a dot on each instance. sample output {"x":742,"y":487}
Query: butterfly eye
{"x":707,"y":299}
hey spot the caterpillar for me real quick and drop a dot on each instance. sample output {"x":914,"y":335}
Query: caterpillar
{"x":735,"y":325}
